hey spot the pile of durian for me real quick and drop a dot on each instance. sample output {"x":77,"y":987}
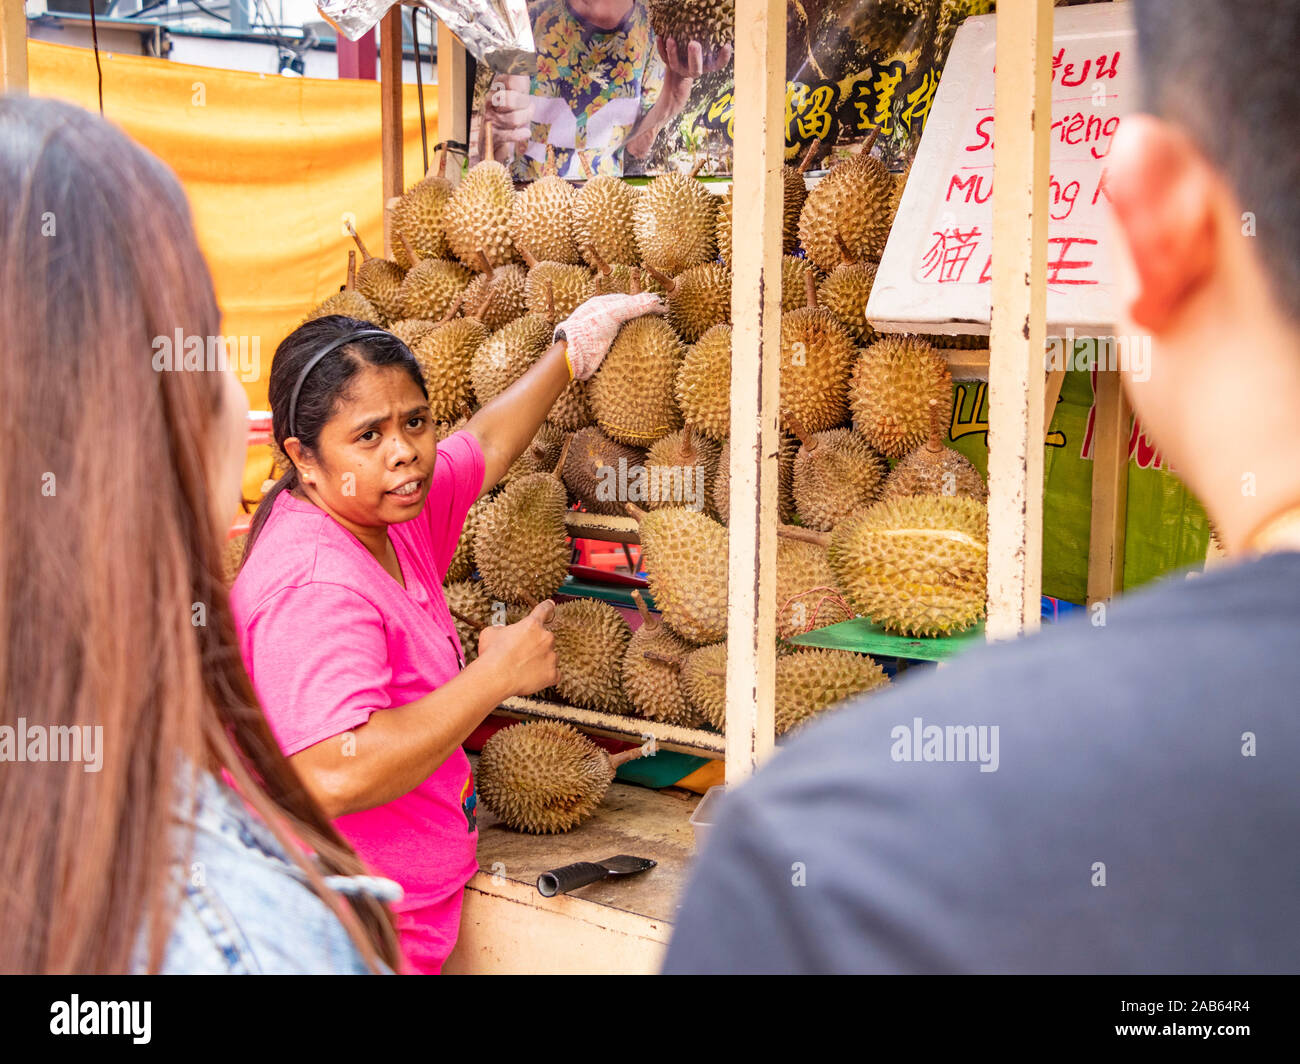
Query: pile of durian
{"x":879,"y":518}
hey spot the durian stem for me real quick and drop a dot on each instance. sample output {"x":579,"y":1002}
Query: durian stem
{"x":454,"y":309}
{"x":646,"y":619}
{"x":365,"y":255}
{"x":352,"y":269}
{"x":601,"y":264}
{"x":810,"y":289}
{"x":484,"y":303}
{"x":627,"y":755}
{"x":796,"y":426}
{"x":870,"y":142}
{"x":484,"y":263}
{"x":550,"y":170}
{"x":634,"y":282}
{"x":669,"y":285}
{"x":720,"y":674}
{"x":935,"y":443}
{"x":699,"y":165}
{"x":663,"y":659}
{"x":469,"y":622}
{"x":804,"y":535}
{"x":410,"y":251}
{"x":530,"y":260}
{"x":635,"y":511}
{"x":808,"y":155}
{"x":564,"y":453}
{"x":550,"y":301}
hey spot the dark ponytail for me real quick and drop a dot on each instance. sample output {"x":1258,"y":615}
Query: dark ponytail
{"x":325,"y":384}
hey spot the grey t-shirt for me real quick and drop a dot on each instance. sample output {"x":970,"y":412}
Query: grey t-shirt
{"x":1144,"y":814}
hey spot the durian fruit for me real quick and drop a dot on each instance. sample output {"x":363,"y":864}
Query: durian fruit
{"x":794,"y":196}
{"x":461,"y":565}
{"x":380,"y":281}
{"x":409,"y":330}
{"x":603,"y":212}
{"x":347,"y":301}
{"x":553,"y":290}
{"x":443,"y":429}
{"x":545,"y":778}
{"x":521,"y":548}
{"x":711,"y":22}
{"x":698,"y":298}
{"x":417,"y":216}
{"x":787,"y":449}
{"x":541,"y":218}
{"x":431,"y":287}
{"x":854,"y":201}
{"x":933,"y":469}
{"x":540,"y":456}
{"x":680,"y":469}
{"x":845,"y":293}
{"x":445,"y":354}
{"x":795,"y":275}
{"x":477,"y":215}
{"x":890,"y":392}
{"x":633,"y":394}
{"x":505,"y":355}
{"x":917,"y":566}
{"x":704,"y":682}
{"x":811,"y":680}
{"x":806,"y":595}
{"x":704,"y":383}
{"x":836,"y":473}
{"x":471,"y":610}
{"x":676,"y":223}
{"x":591,"y":640}
{"x":651,"y":671}
{"x":620,"y":280}
{"x":571,"y":411}
{"x":723,"y":229}
{"x":590,"y":452}
{"x":816,"y":356}
{"x":682,"y":551}
{"x":232,"y":557}
{"x":497,"y":295}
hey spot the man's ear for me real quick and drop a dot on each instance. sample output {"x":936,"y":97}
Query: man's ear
{"x":1162,"y":195}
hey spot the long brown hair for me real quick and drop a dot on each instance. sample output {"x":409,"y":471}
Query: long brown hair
{"x":109,"y":559}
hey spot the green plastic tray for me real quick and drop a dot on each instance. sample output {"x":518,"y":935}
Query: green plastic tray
{"x":863,"y":637}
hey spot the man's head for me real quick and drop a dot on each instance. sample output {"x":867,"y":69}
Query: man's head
{"x":1203,"y":185}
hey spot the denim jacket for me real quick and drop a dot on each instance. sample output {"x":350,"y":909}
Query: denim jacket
{"x":245,"y":908}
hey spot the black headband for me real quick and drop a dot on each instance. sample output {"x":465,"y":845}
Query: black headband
{"x":359,"y":334}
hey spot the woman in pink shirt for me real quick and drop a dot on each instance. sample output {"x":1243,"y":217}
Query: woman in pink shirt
{"x":339,"y":606}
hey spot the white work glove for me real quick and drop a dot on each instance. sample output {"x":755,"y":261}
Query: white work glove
{"x":591,"y":328}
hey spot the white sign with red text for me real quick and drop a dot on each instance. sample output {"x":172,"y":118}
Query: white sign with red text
{"x":937,"y":267}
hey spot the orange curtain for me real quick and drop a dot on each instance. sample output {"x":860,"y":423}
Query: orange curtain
{"x":270,"y":164}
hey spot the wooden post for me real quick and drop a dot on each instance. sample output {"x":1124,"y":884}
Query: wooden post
{"x":390,"y":96}
{"x":1017,"y":342}
{"x":1109,"y":487}
{"x":755,"y":381}
{"x":13,"y":46}
{"x":452,"y":109}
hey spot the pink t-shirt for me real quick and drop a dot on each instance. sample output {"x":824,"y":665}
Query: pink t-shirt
{"x":329,"y":637}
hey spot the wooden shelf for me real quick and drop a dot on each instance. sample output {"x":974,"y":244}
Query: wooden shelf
{"x":612,"y":726}
{"x":598,"y":526}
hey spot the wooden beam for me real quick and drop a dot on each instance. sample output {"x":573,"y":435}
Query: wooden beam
{"x":390,"y":97}
{"x":13,"y":46}
{"x":452,"y":110}
{"x":1109,"y":488}
{"x":755,"y":380}
{"x":1017,"y":341}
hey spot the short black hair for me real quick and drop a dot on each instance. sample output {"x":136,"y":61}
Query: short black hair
{"x":1225,"y":73}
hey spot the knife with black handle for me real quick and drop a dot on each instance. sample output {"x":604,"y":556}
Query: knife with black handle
{"x":570,"y":877}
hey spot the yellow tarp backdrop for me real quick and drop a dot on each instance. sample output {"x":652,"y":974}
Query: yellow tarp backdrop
{"x":271,"y":164}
